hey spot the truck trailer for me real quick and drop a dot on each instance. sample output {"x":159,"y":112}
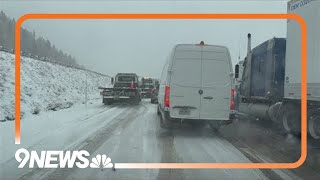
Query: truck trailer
{"x":309,"y":11}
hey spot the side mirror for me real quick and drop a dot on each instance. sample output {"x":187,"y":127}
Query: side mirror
{"x":236,"y":70}
{"x":112,"y":80}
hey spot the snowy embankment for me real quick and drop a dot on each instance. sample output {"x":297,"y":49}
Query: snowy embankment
{"x":44,"y":86}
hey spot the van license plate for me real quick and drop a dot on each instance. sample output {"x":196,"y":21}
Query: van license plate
{"x":184,"y":111}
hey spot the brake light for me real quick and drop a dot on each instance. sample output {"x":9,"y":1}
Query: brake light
{"x":166,"y":97}
{"x":232,"y":103}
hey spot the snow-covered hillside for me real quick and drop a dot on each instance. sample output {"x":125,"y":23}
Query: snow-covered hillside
{"x":44,"y":86}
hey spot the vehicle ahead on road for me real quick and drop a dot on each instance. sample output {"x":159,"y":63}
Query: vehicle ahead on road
{"x":125,"y":89}
{"x":262,"y":81}
{"x":154,"y":94}
{"x":196,"y":84}
{"x":147,"y":85}
{"x":271,"y":81}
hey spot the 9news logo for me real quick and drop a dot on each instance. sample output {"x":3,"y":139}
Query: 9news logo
{"x":60,"y":159}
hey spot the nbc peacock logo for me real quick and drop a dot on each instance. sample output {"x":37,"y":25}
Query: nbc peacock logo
{"x":101,"y":161}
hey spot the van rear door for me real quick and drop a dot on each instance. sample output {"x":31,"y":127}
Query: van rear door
{"x":216,"y":83}
{"x":185,"y":82}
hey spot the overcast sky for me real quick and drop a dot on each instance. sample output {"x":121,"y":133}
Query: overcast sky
{"x":142,"y":46}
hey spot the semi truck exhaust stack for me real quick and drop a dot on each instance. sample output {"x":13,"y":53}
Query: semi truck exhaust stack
{"x":249,"y":43}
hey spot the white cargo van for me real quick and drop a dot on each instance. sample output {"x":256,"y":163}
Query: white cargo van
{"x":196,"y":84}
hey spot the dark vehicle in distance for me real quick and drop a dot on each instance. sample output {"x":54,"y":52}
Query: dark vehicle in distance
{"x":147,"y":85}
{"x":154,"y":94}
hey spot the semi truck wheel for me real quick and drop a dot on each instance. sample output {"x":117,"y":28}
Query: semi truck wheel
{"x":291,"y":119}
{"x":314,"y":126}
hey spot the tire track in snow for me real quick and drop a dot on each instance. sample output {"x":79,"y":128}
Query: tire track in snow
{"x":69,"y":122}
{"x":11,"y":163}
{"x":92,"y":143}
{"x":168,"y":155}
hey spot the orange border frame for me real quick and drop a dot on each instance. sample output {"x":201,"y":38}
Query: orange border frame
{"x":178,"y":16}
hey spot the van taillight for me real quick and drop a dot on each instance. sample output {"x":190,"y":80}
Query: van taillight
{"x":166,"y":97}
{"x":232,"y":103}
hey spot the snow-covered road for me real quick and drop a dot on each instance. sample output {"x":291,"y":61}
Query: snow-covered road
{"x":127,"y":134}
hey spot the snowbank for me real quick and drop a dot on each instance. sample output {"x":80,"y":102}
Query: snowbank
{"x":44,"y":86}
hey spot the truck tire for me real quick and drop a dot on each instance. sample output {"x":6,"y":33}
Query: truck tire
{"x":215,"y":125}
{"x":136,"y":100}
{"x":291,"y":119}
{"x":314,"y":126}
{"x":109,"y":102}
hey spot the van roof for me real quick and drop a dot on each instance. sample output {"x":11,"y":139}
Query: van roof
{"x":197,"y":45}
{"x":187,"y":51}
